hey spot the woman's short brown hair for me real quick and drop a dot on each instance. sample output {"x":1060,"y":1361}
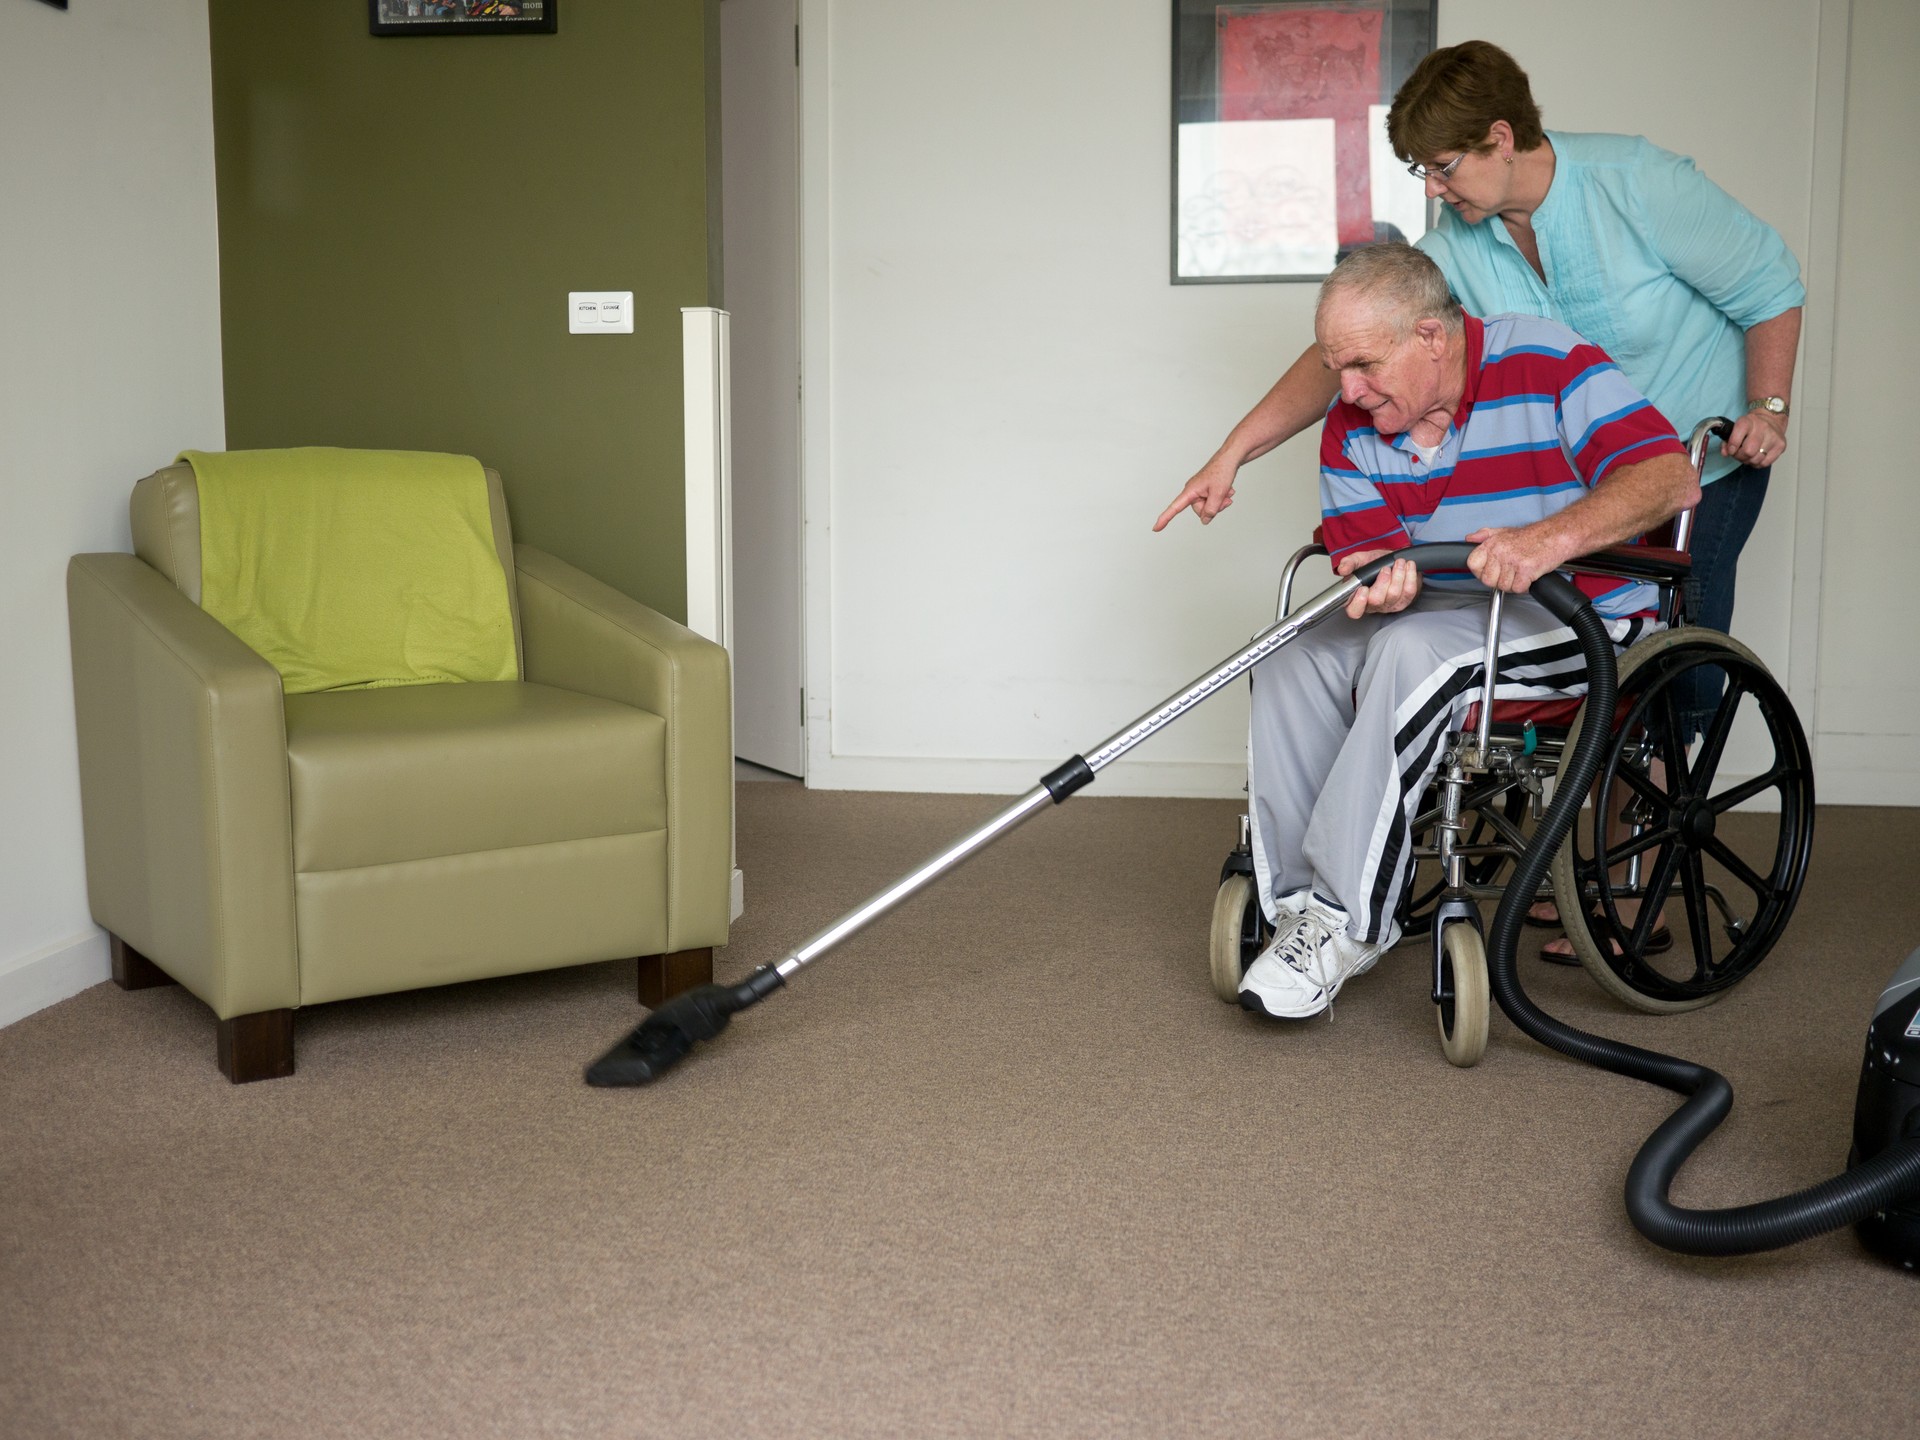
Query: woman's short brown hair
{"x":1453,"y":97}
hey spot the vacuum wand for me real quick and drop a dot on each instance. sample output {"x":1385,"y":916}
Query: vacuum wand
{"x":668,"y":1035}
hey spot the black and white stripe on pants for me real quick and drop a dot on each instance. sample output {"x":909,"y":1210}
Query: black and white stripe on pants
{"x":1347,"y":730}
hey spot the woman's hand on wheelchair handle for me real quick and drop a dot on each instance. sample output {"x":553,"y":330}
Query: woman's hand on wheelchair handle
{"x":1758,"y":439}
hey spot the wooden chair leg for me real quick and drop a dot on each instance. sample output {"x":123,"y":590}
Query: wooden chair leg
{"x":134,"y":971}
{"x":664,"y":976}
{"x":257,"y":1046}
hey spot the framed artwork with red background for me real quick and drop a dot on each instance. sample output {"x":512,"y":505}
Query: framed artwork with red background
{"x":1280,"y":155}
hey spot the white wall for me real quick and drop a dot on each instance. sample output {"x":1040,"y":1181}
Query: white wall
{"x":1868,"y":717}
{"x":109,"y":365}
{"x":1014,"y":389}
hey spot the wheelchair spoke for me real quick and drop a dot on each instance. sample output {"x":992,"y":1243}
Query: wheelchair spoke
{"x":1640,"y":844}
{"x":1654,"y":895}
{"x":1673,"y":744}
{"x":1699,"y":926}
{"x":1643,"y":785}
{"x":1724,"y":802}
{"x":1743,"y":872}
{"x":1634,"y":939}
{"x":1708,"y":764}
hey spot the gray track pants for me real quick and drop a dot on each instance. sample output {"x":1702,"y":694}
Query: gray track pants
{"x":1348,"y":727}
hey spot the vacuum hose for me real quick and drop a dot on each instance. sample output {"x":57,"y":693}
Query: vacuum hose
{"x":1767,"y":1225}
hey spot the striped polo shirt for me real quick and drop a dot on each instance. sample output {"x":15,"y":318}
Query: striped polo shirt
{"x":1544,"y":418}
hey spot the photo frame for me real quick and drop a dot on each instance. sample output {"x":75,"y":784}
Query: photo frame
{"x":1280,"y":155}
{"x":462,"y":17}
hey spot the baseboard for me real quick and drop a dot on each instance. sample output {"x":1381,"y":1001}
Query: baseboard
{"x":52,"y":974}
{"x":1837,"y":786}
{"x":1170,"y":779}
{"x":1218,"y":780}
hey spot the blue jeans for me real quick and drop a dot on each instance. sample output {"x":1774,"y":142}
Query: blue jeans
{"x":1728,"y":509}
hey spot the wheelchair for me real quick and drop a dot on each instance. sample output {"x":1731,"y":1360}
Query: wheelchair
{"x":1659,"y":830}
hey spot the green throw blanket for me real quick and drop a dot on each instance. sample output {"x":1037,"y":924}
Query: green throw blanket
{"x":350,"y":569}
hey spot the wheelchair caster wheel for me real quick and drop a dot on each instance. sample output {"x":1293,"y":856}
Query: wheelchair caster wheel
{"x":1239,"y":931}
{"x":1463,"y":1013}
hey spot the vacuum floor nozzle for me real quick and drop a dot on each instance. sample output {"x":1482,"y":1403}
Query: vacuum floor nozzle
{"x":668,"y":1035}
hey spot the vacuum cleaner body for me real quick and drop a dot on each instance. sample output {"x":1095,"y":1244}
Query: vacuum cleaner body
{"x":1888,"y":1110}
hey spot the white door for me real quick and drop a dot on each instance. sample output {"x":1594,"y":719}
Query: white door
{"x":760,"y":269}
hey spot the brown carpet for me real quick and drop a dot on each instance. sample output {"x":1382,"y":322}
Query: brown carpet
{"x":1001,"y":1166}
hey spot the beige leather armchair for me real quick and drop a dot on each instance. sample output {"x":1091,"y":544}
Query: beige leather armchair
{"x":270,"y":851}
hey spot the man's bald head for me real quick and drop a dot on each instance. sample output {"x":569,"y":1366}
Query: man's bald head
{"x":1399,"y":285}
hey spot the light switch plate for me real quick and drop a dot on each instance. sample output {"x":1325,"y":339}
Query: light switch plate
{"x":600,"y":312}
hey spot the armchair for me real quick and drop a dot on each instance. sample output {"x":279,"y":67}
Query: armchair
{"x":270,"y":851}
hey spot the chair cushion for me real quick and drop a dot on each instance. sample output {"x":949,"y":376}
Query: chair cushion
{"x":380,"y":776}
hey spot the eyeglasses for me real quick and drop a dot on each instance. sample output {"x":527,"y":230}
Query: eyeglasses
{"x":1442,"y":173}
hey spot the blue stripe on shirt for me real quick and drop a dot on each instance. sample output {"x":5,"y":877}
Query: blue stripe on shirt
{"x":1608,"y":463}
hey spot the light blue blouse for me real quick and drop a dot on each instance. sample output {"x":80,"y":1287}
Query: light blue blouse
{"x":1647,"y":258}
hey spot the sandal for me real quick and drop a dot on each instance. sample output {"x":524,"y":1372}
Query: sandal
{"x":1658,"y":943}
{"x":1541,"y":922}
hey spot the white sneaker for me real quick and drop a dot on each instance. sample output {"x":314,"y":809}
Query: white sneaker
{"x":1309,"y":960}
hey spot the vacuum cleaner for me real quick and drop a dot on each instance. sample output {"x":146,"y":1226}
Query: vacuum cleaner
{"x":1880,"y":1190}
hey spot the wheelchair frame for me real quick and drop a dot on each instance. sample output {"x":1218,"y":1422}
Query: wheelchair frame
{"x":1488,"y":764}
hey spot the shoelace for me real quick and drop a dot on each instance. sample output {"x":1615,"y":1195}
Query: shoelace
{"x":1305,"y":944}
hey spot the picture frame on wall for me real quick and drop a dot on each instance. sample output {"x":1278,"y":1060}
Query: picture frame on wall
{"x":462,"y":17}
{"x":1280,"y":155}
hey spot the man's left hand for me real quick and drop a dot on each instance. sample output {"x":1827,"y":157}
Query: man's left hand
{"x":1511,"y":559}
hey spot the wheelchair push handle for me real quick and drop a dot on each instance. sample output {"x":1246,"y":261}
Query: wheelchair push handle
{"x":1713,"y":427}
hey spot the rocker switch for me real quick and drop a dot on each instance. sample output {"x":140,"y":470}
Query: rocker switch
{"x":600,"y":312}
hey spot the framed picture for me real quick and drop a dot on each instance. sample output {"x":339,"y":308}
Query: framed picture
{"x":1280,"y":155}
{"x":462,"y":17}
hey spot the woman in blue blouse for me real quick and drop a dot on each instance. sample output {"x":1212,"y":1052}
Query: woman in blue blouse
{"x":1629,"y":245}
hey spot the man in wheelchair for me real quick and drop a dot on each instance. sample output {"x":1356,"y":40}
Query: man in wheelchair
{"x":1510,"y":433}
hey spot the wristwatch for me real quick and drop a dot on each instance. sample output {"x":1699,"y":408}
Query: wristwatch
{"x":1772,"y":404}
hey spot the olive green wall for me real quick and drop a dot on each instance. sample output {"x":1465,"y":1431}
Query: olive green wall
{"x":400,"y":223}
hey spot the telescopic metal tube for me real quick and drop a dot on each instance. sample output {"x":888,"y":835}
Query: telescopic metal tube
{"x":1262,"y":645}
{"x":857,"y":920}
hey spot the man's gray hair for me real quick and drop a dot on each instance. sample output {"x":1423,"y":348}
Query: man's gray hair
{"x":1401,"y":282}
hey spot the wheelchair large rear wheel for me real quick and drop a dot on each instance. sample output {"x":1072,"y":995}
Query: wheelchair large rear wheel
{"x":1736,"y":876}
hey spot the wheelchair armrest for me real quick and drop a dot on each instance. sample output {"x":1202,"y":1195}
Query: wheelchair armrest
{"x":1636,"y":562}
